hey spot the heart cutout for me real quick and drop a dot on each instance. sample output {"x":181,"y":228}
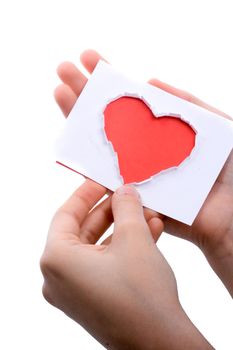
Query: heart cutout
{"x":145,"y":144}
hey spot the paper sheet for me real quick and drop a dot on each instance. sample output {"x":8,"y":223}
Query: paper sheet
{"x":178,"y":191}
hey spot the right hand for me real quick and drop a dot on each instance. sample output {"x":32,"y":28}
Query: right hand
{"x":123,"y":291}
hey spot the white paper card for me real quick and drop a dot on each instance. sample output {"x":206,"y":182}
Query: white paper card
{"x":178,"y":194}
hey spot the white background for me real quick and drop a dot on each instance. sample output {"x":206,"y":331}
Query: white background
{"x":185,"y":43}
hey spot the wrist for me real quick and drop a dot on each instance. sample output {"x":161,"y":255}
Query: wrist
{"x":172,"y":330}
{"x":181,"y":333}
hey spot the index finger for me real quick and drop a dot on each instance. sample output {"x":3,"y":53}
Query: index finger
{"x":90,"y":58}
{"x":70,"y":216}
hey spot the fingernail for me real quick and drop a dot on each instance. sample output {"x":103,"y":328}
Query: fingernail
{"x":128,"y":190}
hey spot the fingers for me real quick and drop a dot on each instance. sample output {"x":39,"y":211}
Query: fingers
{"x":97,"y":222}
{"x":129,"y":221}
{"x":156,"y":226}
{"x":154,"y":221}
{"x":69,"y":218}
{"x":65,"y":98}
{"x":172,"y":90}
{"x":186,"y":96}
{"x":74,"y":80}
{"x":107,"y":240}
{"x":72,"y":76}
{"x":89,"y":59}
{"x":126,"y":206}
{"x":150,"y":213}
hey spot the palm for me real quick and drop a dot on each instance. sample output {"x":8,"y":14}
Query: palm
{"x":218,"y":208}
{"x":215,"y":219}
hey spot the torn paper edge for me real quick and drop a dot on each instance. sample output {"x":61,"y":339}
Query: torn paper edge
{"x":156,"y":114}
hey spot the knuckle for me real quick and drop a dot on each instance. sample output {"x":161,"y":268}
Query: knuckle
{"x":46,"y":292}
{"x":45,"y":263}
{"x":128,"y":198}
{"x":49,"y":263}
{"x":127,"y":203}
{"x":59,"y":215}
{"x":131,"y":224}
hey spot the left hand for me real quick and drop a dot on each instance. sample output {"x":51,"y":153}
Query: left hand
{"x":123,"y":291}
{"x":212,"y":230}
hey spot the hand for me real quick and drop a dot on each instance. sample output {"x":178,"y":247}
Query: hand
{"x":212,"y":231}
{"x":123,"y":291}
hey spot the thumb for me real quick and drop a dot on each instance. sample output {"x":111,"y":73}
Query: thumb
{"x":129,"y":221}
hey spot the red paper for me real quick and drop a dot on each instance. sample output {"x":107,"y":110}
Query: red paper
{"x":145,"y":144}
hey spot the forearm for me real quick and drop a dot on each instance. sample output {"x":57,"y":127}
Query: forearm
{"x":187,"y":336}
{"x":174,"y":332}
{"x":181,"y":334}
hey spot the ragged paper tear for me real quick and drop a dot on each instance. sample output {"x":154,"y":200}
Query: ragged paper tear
{"x":145,"y":144}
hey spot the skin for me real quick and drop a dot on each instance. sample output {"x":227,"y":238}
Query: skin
{"x":212,"y":231}
{"x":123,"y":292}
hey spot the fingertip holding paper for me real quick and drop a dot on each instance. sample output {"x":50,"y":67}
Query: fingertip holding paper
{"x":122,"y":131}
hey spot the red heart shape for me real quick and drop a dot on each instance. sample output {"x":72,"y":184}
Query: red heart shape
{"x":145,"y":144}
